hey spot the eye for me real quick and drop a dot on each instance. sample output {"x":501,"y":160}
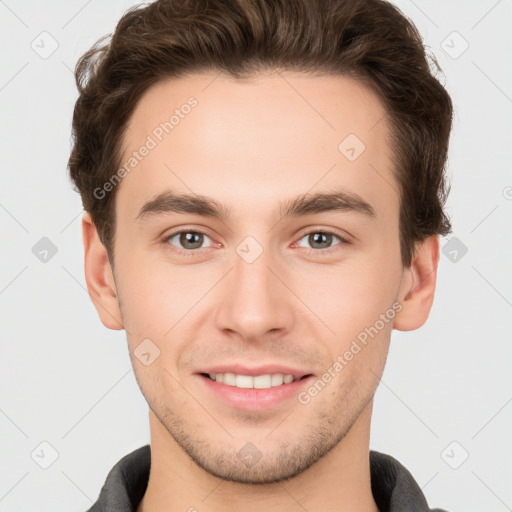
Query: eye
{"x":321,"y":240}
{"x":188,"y":241}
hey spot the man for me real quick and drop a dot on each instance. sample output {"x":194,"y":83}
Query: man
{"x":264,"y":185}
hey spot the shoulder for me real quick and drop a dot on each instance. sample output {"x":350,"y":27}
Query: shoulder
{"x":393,"y":486}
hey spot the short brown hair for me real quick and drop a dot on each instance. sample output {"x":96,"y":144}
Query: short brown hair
{"x":368,"y":40}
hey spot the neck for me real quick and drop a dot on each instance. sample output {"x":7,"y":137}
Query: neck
{"x":340,"y":481}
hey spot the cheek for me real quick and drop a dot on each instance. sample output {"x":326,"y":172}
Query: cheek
{"x":356,"y":303}
{"x":158,"y":299}
{"x":351,"y":297}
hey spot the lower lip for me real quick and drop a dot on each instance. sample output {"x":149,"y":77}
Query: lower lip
{"x":255,"y":399}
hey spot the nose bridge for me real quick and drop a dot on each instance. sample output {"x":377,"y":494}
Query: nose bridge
{"x":254,"y":301}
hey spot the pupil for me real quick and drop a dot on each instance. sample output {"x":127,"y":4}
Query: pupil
{"x":315,"y":237}
{"x":187,"y":240}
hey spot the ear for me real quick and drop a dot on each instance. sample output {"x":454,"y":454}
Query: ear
{"x":418,"y":286}
{"x":99,"y":276}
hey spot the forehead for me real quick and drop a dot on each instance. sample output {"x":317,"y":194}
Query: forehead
{"x":268,"y":137}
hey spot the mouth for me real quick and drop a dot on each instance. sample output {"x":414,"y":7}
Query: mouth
{"x":264,"y":381}
{"x":253,"y":389}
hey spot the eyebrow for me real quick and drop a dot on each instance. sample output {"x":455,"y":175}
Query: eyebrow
{"x":305,"y":204}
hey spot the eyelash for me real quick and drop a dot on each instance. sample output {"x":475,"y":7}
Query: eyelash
{"x":309,"y":251}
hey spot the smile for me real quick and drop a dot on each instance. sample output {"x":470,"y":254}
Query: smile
{"x":255,"y":382}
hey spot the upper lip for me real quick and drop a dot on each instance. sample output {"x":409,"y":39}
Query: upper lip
{"x":267,"y":369}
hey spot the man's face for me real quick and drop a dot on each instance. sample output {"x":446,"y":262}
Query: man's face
{"x":256,"y":292}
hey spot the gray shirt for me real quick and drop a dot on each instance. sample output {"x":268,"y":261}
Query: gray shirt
{"x":393,"y":487}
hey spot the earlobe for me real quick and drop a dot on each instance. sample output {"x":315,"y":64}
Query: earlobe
{"x":99,"y":276}
{"x":418,"y":286}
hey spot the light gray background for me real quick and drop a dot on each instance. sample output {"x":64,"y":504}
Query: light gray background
{"x":67,"y":381}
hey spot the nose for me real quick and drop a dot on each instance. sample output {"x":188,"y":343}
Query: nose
{"x":254,"y":301}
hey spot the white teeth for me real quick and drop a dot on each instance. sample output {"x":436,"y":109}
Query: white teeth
{"x":258,"y":382}
{"x":277,"y":379}
{"x":229,"y":379}
{"x":244,"y":381}
{"x":262,"y":382}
